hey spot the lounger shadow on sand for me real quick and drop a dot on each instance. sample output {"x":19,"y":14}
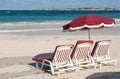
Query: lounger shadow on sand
{"x":104,"y":75}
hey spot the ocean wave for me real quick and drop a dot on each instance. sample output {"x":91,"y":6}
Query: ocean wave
{"x":30,"y":30}
{"x":31,"y":26}
{"x":117,"y":20}
{"x":7,"y":24}
{"x":13,"y":24}
{"x":11,"y":27}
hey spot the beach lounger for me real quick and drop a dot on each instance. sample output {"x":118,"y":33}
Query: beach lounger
{"x":100,"y":53}
{"x":60,"y":61}
{"x":81,"y":54}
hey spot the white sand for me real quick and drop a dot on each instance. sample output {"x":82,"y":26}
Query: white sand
{"x":19,"y":46}
{"x":17,"y":69}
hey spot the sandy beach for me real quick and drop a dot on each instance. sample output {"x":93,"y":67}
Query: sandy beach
{"x":17,"y":50}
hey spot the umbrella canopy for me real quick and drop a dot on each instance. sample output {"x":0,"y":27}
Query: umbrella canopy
{"x":89,"y":22}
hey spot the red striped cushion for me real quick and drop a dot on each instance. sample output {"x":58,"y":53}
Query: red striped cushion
{"x":40,"y":59}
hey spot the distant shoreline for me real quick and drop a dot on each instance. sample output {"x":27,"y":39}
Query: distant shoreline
{"x":69,"y":9}
{"x":79,"y":9}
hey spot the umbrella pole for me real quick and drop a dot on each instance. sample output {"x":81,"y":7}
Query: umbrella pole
{"x":89,"y":34}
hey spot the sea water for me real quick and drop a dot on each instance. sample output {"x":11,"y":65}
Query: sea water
{"x":32,"y":20}
{"x":48,"y":16}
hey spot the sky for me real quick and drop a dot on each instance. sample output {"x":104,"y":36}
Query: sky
{"x":38,"y":4}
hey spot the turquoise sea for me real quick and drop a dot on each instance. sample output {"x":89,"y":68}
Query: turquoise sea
{"x":37,"y":20}
{"x":47,"y":16}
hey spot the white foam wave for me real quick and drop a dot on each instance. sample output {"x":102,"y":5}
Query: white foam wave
{"x":29,"y":30}
{"x":14,"y":24}
{"x":117,"y":22}
{"x":32,"y":23}
{"x":52,"y":25}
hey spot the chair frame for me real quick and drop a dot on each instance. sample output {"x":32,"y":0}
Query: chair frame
{"x":101,"y":54}
{"x":81,"y":54}
{"x":60,"y":60}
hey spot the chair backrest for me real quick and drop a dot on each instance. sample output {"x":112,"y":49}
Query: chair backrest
{"x":81,"y":50}
{"x":101,"y":49}
{"x":62,"y":54}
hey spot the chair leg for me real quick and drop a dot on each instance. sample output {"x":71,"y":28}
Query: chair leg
{"x":115,"y":62}
{"x":37,"y":64}
{"x":100,"y":64}
{"x":70,"y":62}
{"x":95,"y":66}
{"x":52,"y":69}
{"x":42,"y":65}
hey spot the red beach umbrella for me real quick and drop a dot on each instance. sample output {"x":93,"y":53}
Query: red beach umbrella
{"x":89,"y":22}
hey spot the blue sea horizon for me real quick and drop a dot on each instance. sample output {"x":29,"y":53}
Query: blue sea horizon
{"x":48,"y":16}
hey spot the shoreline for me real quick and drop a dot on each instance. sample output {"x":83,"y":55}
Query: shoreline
{"x":58,"y":31}
{"x":33,"y":23}
{"x":49,"y":28}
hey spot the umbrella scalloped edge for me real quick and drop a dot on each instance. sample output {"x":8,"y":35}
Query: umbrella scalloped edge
{"x":102,"y":25}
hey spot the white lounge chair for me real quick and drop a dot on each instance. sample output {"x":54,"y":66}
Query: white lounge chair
{"x":60,"y":61}
{"x":100,"y":53}
{"x":81,"y":54}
